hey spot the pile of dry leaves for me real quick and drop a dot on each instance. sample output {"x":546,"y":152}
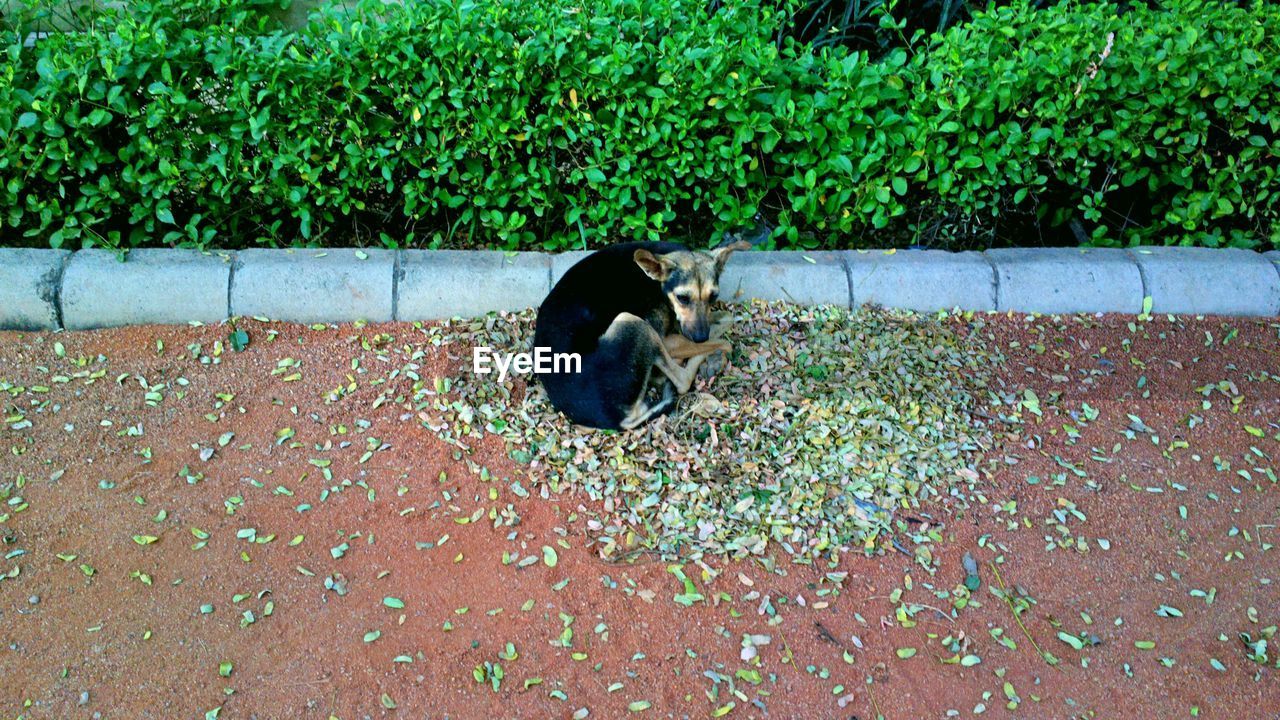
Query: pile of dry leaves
{"x":824,"y":425}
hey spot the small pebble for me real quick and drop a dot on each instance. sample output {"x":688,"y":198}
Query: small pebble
{"x":84,"y":698}
{"x":34,"y":599}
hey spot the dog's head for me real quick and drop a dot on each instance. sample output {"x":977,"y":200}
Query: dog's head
{"x":691,"y":281}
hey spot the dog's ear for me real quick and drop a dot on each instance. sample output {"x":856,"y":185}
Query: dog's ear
{"x":722,"y":253}
{"x":653,"y":266}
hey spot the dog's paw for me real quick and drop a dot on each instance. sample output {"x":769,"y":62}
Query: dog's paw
{"x":712,"y":365}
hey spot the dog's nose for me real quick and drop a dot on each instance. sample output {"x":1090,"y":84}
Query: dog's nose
{"x":698,"y":334}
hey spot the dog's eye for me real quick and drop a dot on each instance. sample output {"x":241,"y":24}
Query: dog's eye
{"x":684,"y":299}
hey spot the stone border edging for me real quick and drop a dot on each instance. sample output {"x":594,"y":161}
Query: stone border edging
{"x":52,"y":289}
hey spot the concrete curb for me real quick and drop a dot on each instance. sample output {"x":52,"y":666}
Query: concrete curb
{"x":51,"y":289}
{"x":807,"y":278}
{"x":1066,"y":280}
{"x":30,"y":281}
{"x":1208,"y":281}
{"x":150,"y":286}
{"x":309,"y":286}
{"x":561,"y":262}
{"x":447,"y":283}
{"x":922,"y":280}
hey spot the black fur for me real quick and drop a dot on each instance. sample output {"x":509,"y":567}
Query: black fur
{"x":578,"y":311}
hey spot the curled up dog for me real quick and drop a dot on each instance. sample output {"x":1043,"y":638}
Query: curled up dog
{"x":630,"y":310}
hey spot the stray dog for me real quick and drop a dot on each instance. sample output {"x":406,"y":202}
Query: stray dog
{"x":620,"y":309}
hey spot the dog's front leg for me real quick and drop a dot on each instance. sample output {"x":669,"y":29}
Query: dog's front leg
{"x":715,"y":362}
{"x":680,"y":347}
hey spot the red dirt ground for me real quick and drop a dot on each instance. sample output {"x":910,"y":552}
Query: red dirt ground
{"x":81,"y":483}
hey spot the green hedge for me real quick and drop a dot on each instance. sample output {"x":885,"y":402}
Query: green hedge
{"x":1179,"y":130}
{"x":540,"y":124}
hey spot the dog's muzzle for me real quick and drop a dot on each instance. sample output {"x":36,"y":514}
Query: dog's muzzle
{"x":698,"y":332}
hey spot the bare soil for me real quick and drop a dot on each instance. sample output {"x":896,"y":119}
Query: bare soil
{"x":1175,"y":487}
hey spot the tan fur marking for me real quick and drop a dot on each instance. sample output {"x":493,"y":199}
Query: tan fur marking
{"x":680,"y":347}
{"x":696,"y":276}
